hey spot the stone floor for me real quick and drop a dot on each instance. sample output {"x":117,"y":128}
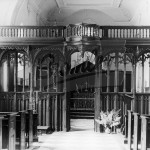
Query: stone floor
{"x":81,"y":137}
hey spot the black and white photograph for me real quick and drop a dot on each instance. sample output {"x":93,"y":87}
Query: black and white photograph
{"x":74,"y":74}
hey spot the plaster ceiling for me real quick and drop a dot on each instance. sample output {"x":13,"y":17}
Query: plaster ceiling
{"x":63,"y":12}
{"x":99,"y":11}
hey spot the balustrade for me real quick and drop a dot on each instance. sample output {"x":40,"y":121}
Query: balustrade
{"x":126,"y":32}
{"x":75,"y":30}
{"x":31,"y":32}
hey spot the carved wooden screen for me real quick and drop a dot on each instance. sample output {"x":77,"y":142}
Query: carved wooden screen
{"x":116,"y":78}
{"x":15,"y":78}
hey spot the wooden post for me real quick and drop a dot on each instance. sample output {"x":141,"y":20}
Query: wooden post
{"x":97,"y":106}
{"x":129,"y":129}
{"x":148,"y":105}
{"x":136,"y":131}
{"x":65,"y":100}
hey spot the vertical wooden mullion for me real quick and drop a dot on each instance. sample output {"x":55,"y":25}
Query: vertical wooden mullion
{"x":108,"y":86}
{"x":47,"y":101}
{"x":8,"y":72}
{"x":39,"y":111}
{"x":40,"y":76}
{"x":44,"y":111}
{"x":31,"y":98}
{"x":97,"y":103}
{"x":50,"y":110}
{"x":60,"y":112}
{"x":124,"y":74}
{"x":23,"y":89}
{"x":53,"y":112}
{"x":133,"y":103}
{"x":64,"y":124}
{"x":15,"y":81}
{"x":116,"y":80}
{"x":56,"y":102}
{"x":1,"y":76}
{"x":142,"y":100}
{"x":8,"y":83}
{"x":148,"y":105}
{"x":56,"y":112}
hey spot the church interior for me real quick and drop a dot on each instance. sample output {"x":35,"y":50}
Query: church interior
{"x":75,"y":68}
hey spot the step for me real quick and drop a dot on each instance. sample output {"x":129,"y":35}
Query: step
{"x":82,"y":113}
{"x":81,"y":117}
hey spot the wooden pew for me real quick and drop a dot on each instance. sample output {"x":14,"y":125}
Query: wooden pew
{"x":20,"y":130}
{"x":25,"y":130}
{"x":137,"y":131}
{"x":31,"y":128}
{"x":8,"y":131}
{"x":145,"y":132}
{"x":130,"y":128}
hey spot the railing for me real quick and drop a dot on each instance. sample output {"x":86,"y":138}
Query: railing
{"x":31,"y":32}
{"x":50,"y":107}
{"x":75,"y":30}
{"x":143,"y":103}
{"x":111,"y":101}
{"x":126,"y":32}
{"x":82,"y":101}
